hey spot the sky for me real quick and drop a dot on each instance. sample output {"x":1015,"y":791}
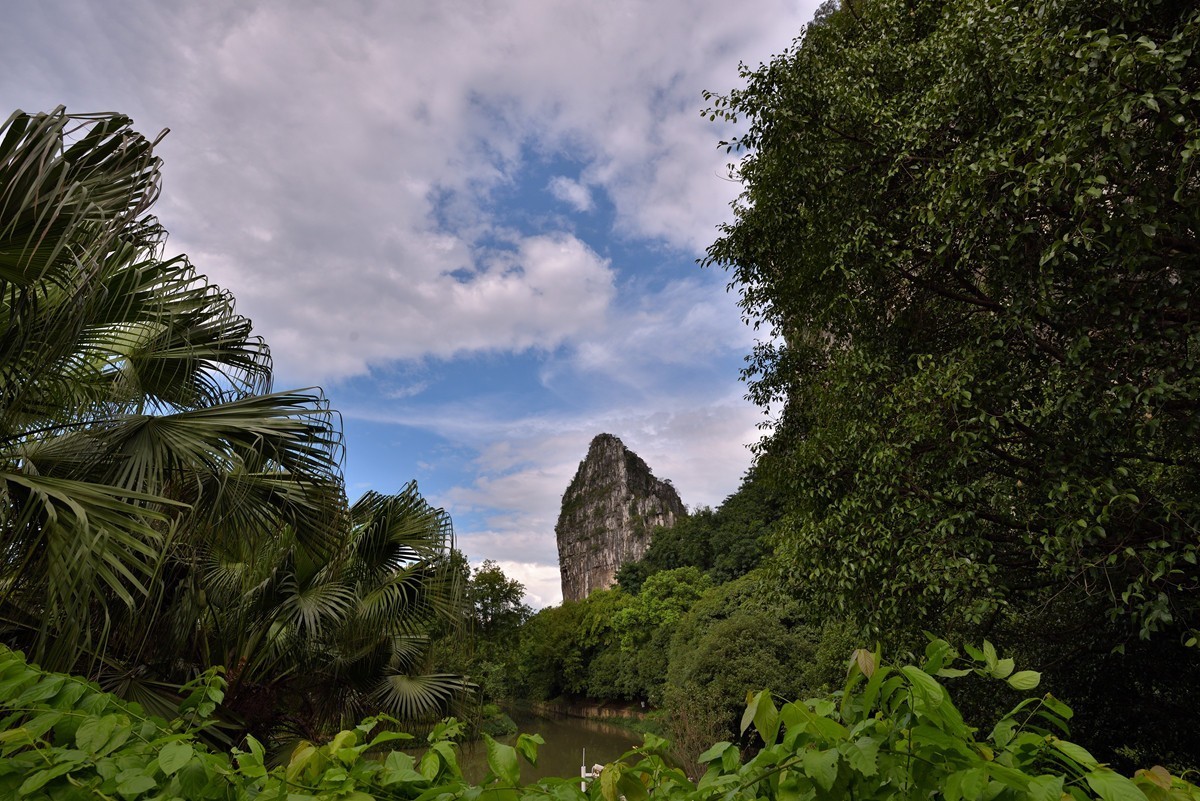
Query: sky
{"x":474,"y":224}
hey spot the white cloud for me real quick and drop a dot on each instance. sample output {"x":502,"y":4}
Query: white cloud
{"x":573,"y":193}
{"x":329,"y":167}
{"x":406,"y":391}
{"x":337,"y":168}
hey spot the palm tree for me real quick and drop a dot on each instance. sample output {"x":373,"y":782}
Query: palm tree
{"x":143,"y":454}
{"x":315,"y":640}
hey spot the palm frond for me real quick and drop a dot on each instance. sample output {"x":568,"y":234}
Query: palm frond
{"x":410,"y":697}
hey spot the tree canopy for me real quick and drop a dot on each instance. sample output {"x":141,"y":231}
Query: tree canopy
{"x":972,"y":229}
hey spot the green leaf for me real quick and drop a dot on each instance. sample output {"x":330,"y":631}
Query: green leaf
{"x":925,"y":685}
{"x":989,"y":654}
{"x":609,"y":777}
{"x":968,"y":785}
{"x":1003,"y":668}
{"x":821,"y":767}
{"x":631,"y":787}
{"x":1045,"y":788}
{"x":398,"y":768}
{"x":863,"y":755}
{"x":1025,"y":680}
{"x":714,"y":753}
{"x":194,"y":779}
{"x":136,"y":785}
{"x":1111,"y":786}
{"x":527,"y":747}
{"x":174,"y":756}
{"x":95,"y":733}
{"x":953,"y":673}
{"x":753,"y":699}
{"x":798,"y":717}
{"x":1077,"y":753}
{"x":39,"y":779}
{"x":502,"y":761}
{"x":387,"y":737}
{"x":766,"y":718}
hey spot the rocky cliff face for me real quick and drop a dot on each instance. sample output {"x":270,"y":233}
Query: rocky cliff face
{"x":608,"y":514}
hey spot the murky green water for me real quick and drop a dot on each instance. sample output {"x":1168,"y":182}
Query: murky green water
{"x":566,"y":739}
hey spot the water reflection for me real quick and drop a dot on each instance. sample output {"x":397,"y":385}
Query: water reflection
{"x":566,"y":738}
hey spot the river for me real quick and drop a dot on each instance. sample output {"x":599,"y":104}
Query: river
{"x":566,"y":738}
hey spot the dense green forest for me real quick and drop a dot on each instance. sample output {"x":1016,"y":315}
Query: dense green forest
{"x":970,"y":236}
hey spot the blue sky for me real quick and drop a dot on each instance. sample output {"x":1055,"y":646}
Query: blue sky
{"x":474,"y":224}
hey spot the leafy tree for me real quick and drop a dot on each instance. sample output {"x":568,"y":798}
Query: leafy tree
{"x":973,"y":227}
{"x":133,"y":413}
{"x":738,"y":636}
{"x":497,"y":600}
{"x":485,"y":647}
{"x":551,"y":661}
{"x":726,"y":543}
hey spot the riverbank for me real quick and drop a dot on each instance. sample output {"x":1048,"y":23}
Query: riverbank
{"x":591,"y":710}
{"x":625,"y":714}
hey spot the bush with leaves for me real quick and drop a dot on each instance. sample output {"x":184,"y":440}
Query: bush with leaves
{"x":891,"y":733}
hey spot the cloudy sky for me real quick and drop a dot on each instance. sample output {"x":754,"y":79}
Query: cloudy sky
{"x":475,"y":224}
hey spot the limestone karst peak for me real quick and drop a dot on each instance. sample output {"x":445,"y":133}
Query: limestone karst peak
{"x":609,"y":512}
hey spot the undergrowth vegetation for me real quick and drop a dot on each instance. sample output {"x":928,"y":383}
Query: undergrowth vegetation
{"x":892,"y":732}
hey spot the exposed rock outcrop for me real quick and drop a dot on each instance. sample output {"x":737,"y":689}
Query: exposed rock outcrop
{"x":608,"y":514}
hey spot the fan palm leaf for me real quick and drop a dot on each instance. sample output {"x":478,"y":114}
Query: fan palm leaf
{"x":161,"y":508}
{"x":130,"y":393}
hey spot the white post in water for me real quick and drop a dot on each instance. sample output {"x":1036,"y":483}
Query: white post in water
{"x":583,"y":773}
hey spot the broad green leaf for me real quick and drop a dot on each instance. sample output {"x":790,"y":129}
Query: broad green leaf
{"x":863,"y":755}
{"x":430,"y":765}
{"x":766,"y":719}
{"x":1045,"y":788}
{"x":631,"y":787}
{"x":798,"y":717}
{"x":136,"y":785}
{"x":94,"y":734}
{"x":609,"y":778}
{"x":953,"y":673}
{"x":753,"y":699}
{"x":1025,"y":680}
{"x":1112,"y":786}
{"x":174,"y":756}
{"x":40,"y":778}
{"x":398,"y":768}
{"x":194,"y":779}
{"x":387,"y":737}
{"x":1057,"y":707}
{"x":714,"y":753}
{"x":1077,"y":753}
{"x":502,"y":761}
{"x":42,"y":723}
{"x":925,"y":685}
{"x":40,"y":691}
{"x":967,"y":785}
{"x":821,"y":767}
{"x":527,"y":747}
